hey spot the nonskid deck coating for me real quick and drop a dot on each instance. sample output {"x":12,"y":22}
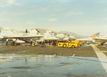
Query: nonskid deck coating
{"x":82,"y":51}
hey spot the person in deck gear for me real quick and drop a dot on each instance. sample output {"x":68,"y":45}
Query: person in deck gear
{"x":7,"y":40}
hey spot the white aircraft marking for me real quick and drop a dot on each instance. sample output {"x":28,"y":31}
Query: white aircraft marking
{"x":104,"y":51}
{"x":101,"y":56}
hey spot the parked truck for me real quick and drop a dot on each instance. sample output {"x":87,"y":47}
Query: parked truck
{"x":69,"y":44}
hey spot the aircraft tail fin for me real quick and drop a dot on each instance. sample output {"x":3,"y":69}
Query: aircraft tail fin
{"x":95,"y":35}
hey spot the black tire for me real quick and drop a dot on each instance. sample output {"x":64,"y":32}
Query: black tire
{"x":73,"y":46}
{"x":65,"y":46}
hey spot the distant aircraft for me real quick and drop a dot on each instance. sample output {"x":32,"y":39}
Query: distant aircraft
{"x":99,"y":39}
{"x":49,"y":35}
{"x":21,"y":37}
{"x":96,"y":38}
{"x":85,"y":39}
{"x":1,"y":37}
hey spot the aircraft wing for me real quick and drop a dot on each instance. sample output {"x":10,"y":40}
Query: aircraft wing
{"x":85,"y":39}
{"x":17,"y":37}
{"x":100,"y":39}
{"x":26,"y":38}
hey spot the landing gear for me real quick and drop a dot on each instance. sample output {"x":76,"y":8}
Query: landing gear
{"x":33,"y":43}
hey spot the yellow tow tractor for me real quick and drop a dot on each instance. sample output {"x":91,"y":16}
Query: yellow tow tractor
{"x":69,"y":44}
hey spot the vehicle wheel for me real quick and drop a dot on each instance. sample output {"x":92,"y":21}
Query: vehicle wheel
{"x":73,"y":46}
{"x":64,"y":45}
{"x":59,"y":44}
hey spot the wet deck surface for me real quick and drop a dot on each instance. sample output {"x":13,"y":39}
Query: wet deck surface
{"x":48,"y":62}
{"x":51,"y":66}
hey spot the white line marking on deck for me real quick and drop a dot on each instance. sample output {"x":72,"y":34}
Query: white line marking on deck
{"x":73,"y":55}
{"x":104,"y":51}
{"x":101,"y":56}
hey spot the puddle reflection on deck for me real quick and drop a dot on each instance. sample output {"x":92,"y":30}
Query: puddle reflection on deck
{"x":49,"y":66}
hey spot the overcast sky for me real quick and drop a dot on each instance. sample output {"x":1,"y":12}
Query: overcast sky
{"x":79,"y":16}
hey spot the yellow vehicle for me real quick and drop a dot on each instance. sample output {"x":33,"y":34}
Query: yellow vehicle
{"x":69,"y":44}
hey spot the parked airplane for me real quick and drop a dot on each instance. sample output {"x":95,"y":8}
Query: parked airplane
{"x":96,"y":38}
{"x":49,"y":35}
{"x":21,"y":37}
{"x":100,"y":40}
{"x":87,"y":39}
